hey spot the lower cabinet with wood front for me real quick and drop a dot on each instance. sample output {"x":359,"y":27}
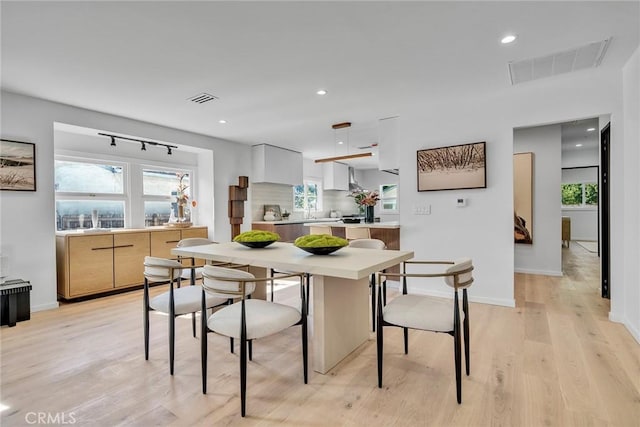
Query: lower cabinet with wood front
{"x":94,"y":263}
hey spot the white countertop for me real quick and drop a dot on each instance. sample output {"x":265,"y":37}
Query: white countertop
{"x":295,"y":221}
{"x":385,"y":224}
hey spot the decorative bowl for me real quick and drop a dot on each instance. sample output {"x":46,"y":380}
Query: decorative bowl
{"x":262,"y":244}
{"x":322,"y":250}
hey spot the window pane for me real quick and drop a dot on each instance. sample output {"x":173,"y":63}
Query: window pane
{"x":157,"y":213}
{"x":78,"y":177}
{"x":73,"y":214}
{"x":572,"y":194}
{"x":591,"y":194}
{"x":389,"y":191}
{"x":389,"y":205}
{"x":162,"y":183}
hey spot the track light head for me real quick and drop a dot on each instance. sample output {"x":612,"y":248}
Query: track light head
{"x":113,"y":141}
{"x":169,"y":151}
{"x":144,"y":147}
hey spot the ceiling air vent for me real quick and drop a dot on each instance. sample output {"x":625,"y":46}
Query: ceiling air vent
{"x":201,"y":98}
{"x":580,"y":58}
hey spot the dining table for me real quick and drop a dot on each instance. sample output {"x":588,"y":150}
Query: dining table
{"x":340,"y":286}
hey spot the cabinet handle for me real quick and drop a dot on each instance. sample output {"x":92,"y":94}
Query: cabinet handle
{"x":101,"y":249}
{"x":123,"y":246}
{"x":172,"y":241}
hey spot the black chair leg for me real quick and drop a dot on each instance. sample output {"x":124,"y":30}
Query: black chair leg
{"x":308,"y":297}
{"x":457,"y":350}
{"x":305,"y":349}
{"x":379,"y":340}
{"x":405,"y":332}
{"x":146,"y":320}
{"x":172,"y":340}
{"x":243,"y":361}
{"x":193,"y":323}
{"x":465,"y":310}
{"x":250,"y":348}
{"x":273,"y":272}
{"x":372,"y":285}
{"x":384,"y":292}
{"x":203,"y":344}
{"x":231,"y":344}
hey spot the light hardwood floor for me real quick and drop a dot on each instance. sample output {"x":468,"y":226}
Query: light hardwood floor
{"x":554,"y":360}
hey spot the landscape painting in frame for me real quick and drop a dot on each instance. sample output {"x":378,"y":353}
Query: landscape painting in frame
{"x":17,"y":165}
{"x":452,"y":168}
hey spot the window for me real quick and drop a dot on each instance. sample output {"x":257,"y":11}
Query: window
{"x":307,"y":197}
{"x":580,"y":194}
{"x":389,"y":198}
{"x":159,"y":193}
{"x":83,"y":186}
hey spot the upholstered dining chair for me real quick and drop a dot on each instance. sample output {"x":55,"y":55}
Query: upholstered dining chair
{"x":352,"y":233}
{"x":174,"y":302}
{"x":371,"y":244}
{"x":247,"y":319}
{"x":320,"y":229}
{"x":427,"y":313}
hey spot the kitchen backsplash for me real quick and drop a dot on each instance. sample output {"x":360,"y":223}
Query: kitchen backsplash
{"x":278,"y":194}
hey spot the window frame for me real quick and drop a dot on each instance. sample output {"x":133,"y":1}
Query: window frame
{"x":383,"y":199}
{"x":319,"y":195}
{"x":583,"y":205}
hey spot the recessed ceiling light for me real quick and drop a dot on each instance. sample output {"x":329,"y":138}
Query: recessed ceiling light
{"x":222,"y":121}
{"x":508,"y":39}
{"x":321,"y":92}
{"x":591,"y":129}
{"x":340,"y":142}
{"x":578,"y":145}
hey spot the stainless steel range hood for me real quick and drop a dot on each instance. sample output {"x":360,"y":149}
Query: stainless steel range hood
{"x":353,"y":184}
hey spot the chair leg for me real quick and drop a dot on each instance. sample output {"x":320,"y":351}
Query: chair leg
{"x":308,"y":297}
{"x":384,"y":292}
{"x":203,"y":344}
{"x":457,"y":350}
{"x":305,"y":349}
{"x":379,"y":340}
{"x":250,"y":348}
{"x":272,"y":274}
{"x":193,"y":323}
{"x":372,"y":285}
{"x":172,"y":340}
{"x":146,"y":319}
{"x":465,"y":310}
{"x":231,"y":344}
{"x":243,"y":363}
{"x":405,"y":332}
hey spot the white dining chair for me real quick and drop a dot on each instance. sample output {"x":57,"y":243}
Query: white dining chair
{"x":427,"y":313}
{"x":353,"y":233}
{"x":371,"y":244}
{"x":247,"y":319}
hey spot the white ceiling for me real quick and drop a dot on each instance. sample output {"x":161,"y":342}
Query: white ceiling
{"x":265,"y":60}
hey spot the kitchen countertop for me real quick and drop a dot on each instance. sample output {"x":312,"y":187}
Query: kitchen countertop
{"x":385,"y":224}
{"x":296,"y":221}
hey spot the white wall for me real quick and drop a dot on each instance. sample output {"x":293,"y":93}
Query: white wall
{"x":544,"y":255}
{"x":27,"y":219}
{"x":625,"y":287}
{"x":484,"y":229}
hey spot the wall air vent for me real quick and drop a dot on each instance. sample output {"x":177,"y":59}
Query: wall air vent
{"x":201,"y":98}
{"x":580,"y":58}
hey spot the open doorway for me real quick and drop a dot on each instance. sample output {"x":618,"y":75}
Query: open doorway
{"x":580,"y":191}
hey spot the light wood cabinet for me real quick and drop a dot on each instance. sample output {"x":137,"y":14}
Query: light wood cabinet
{"x":91,"y":264}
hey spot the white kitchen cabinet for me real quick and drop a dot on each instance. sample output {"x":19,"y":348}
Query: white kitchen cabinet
{"x":336,"y":176}
{"x":276,"y":165}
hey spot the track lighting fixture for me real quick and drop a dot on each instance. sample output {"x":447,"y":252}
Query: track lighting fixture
{"x":144,"y":143}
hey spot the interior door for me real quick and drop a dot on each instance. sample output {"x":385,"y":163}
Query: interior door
{"x":605,"y":261}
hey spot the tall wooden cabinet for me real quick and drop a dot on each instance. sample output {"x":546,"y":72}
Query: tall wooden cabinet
{"x":94,"y":263}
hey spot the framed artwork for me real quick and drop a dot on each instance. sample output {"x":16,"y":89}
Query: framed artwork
{"x":452,"y":168}
{"x":17,"y":165}
{"x":523,"y":198}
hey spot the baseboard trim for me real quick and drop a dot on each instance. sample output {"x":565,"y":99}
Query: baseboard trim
{"x":635,"y":333}
{"x":540,"y":272}
{"x":42,"y":307}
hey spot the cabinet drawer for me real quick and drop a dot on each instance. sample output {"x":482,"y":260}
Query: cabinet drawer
{"x":163,"y":241}
{"x":90,"y":264}
{"x":129,"y":251}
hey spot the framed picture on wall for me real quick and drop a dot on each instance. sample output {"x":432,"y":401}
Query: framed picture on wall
{"x":17,"y":165}
{"x":452,"y":168}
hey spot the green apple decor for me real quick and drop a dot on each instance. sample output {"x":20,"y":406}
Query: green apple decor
{"x":256,"y":238}
{"x":320,"y":244}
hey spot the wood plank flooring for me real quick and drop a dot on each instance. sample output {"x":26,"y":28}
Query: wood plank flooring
{"x":554,"y":360}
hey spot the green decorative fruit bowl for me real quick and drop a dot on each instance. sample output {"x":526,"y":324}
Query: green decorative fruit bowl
{"x":256,"y":238}
{"x":320,"y":244}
